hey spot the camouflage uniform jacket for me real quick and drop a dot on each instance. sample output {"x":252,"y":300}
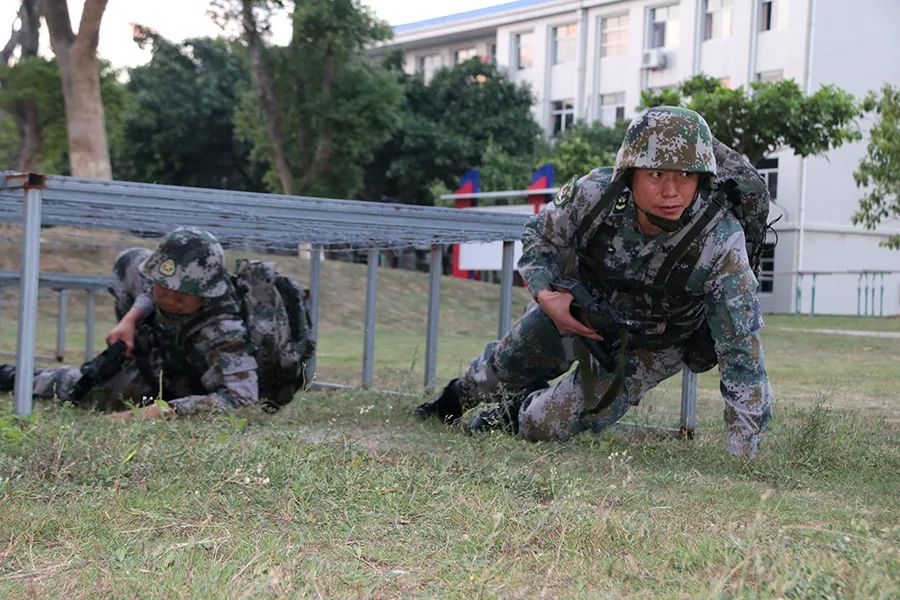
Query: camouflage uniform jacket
{"x":722,"y":280}
{"x":205,"y":358}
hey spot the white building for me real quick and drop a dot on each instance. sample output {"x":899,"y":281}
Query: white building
{"x":590,"y":59}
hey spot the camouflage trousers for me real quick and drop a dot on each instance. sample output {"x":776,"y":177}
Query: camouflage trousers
{"x":126,"y":285}
{"x":533,"y":353}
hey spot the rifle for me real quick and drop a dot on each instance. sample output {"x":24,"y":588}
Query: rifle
{"x":99,"y":369}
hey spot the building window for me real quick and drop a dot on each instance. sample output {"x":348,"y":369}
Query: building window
{"x":463,"y":55}
{"x":767,"y":269}
{"x":493,"y":55}
{"x":563,"y":115}
{"x":612,"y":108}
{"x":563,"y":40}
{"x":429,"y":65}
{"x":772,"y":14}
{"x":523,"y":50}
{"x":614,"y":36}
{"x":768,"y":168}
{"x":717,"y":19}
{"x":772,"y":76}
{"x":664,"y":29}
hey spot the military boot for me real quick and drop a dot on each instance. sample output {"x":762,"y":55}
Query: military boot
{"x":447,"y":407}
{"x":7,"y":377}
{"x":504,"y":416}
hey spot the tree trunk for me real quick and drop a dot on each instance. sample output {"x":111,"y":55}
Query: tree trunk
{"x":76,"y":56}
{"x":265,"y":93}
{"x":322,"y":155}
{"x":25,"y":111}
{"x":29,"y":126}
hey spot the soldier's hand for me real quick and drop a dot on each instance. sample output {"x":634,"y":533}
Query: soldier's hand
{"x":123,"y":331}
{"x":556,"y":305}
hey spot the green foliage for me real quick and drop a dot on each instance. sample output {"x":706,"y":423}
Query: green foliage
{"x":462,"y":117}
{"x":879,"y":170}
{"x":38,"y":79}
{"x":501,"y":170}
{"x":336,"y":106}
{"x":179,"y":129}
{"x":768,"y":116}
{"x":584,"y":147}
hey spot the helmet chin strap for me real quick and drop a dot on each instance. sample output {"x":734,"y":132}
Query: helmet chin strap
{"x":667,"y":225}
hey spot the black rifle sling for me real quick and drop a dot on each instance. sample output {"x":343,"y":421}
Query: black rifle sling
{"x":663,"y":281}
{"x":615,"y":387}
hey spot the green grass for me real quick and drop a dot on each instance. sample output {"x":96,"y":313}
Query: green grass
{"x":345,"y":495}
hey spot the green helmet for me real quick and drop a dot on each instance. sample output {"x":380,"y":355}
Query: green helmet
{"x":667,"y":138}
{"x":189,"y":261}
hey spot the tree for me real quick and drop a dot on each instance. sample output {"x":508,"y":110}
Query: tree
{"x":768,"y":116}
{"x":321,"y":107}
{"x":22,"y":108}
{"x":79,"y":70}
{"x":584,"y":147}
{"x":447,"y":127}
{"x":879,"y":170}
{"x":192,"y":86}
{"x":254,"y":17}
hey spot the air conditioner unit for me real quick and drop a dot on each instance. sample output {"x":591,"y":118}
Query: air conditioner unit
{"x":654,"y":58}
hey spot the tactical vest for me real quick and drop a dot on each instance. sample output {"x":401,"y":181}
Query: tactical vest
{"x":161,"y":345}
{"x":670,"y":314}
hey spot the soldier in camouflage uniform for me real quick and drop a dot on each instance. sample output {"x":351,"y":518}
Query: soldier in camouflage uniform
{"x":180,"y":319}
{"x":613,"y":231}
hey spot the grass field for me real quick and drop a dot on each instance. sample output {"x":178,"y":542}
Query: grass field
{"x":343,"y":494}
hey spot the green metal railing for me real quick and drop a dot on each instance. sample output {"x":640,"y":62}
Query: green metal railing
{"x":870,"y":288}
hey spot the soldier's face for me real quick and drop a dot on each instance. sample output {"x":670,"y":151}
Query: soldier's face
{"x":663,"y":193}
{"x":174,"y":302}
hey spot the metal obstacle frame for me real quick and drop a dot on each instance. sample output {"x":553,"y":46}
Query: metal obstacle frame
{"x":259,"y":221}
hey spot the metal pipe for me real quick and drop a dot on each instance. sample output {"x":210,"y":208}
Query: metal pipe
{"x":434,"y":303}
{"x":315,"y":276}
{"x":369,"y":341}
{"x":859,"y":295}
{"x":688,"y":403}
{"x":866,"y":307}
{"x":799,"y":299}
{"x":62,"y":319}
{"x":89,"y":333}
{"x":28,"y":294}
{"x":812,"y":297}
{"x":506,"y":282}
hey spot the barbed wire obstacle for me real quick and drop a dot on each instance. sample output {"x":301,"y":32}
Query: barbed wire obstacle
{"x":256,"y":221}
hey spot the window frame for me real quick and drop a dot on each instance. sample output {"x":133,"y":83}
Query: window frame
{"x":620,"y":29}
{"x":562,"y":115}
{"x":713,"y":19}
{"x":570,"y":42}
{"x":517,"y":50}
{"x":618,"y":102}
{"x":653,"y":36}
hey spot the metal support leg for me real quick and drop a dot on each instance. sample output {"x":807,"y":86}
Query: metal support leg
{"x":434,"y":302}
{"x":62,"y":320}
{"x":371,"y":296}
{"x":315,"y":276}
{"x":89,"y":333}
{"x":28,"y":296}
{"x":506,"y":281}
{"x":812,"y":297}
{"x":688,"y":404}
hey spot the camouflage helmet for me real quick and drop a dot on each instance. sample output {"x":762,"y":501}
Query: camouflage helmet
{"x":189,"y":261}
{"x":667,"y":138}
